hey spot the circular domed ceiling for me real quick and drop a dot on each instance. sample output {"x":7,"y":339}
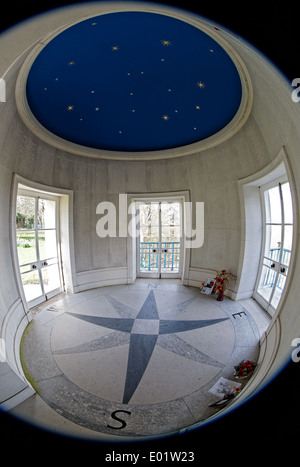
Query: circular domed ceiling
{"x":133,"y":81}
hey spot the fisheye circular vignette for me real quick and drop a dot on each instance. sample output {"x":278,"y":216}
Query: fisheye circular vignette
{"x":141,"y":317}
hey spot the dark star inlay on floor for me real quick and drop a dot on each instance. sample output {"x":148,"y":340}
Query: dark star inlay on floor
{"x":144,"y":332}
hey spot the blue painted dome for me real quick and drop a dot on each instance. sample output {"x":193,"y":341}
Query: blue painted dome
{"x":133,"y":81}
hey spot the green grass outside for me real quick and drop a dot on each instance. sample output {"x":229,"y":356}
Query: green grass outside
{"x":27,"y":253}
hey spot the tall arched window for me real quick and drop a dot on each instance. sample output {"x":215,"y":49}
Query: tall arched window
{"x":277,"y":243}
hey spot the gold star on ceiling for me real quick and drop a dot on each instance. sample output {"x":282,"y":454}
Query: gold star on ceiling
{"x":166,"y":43}
{"x":70,"y":107}
{"x":71,"y":63}
{"x":200,"y":85}
{"x":115,"y":48}
{"x":165,"y":117}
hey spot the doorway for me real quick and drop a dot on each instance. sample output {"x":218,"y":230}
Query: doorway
{"x":159,"y":243}
{"x":38,"y":251}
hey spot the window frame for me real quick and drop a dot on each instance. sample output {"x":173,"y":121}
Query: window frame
{"x":37,"y":196}
{"x":267,"y":303}
{"x":66,"y":232}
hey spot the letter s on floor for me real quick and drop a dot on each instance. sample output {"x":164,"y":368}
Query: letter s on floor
{"x":114,"y":416}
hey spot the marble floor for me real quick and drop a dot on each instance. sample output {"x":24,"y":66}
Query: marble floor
{"x":132,"y":361}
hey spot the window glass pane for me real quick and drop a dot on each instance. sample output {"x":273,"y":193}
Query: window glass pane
{"x":278,"y":290}
{"x":149,"y":214}
{"x":287,"y":203}
{"x":26,"y":246}
{"x":27,"y":268}
{"x":47,"y":244}
{"x":31,"y":285}
{"x":143,"y":234}
{"x":25,"y":212}
{"x":273,"y":205}
{"x":51,"y":279}
{"x":170,"y":213}
{"x":287,"y":244}
{"x":286,"y":257}
{"x":273,"y":241}
{"x":266,"y":282}
{"x":46,"y":214}
{"x":149,"y":234}
{"x":170,"y":234}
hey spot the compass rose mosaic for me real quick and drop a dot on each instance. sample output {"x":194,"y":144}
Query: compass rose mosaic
{"x":144,"y":331}
{"x":137,"y":360}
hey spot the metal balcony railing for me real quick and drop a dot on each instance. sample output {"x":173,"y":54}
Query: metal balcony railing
{"x":170,"y":256}
{"x":271,"y":274}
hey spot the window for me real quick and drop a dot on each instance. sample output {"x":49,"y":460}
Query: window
{"x":277,"y":243}
{"x":159,"y":242}
{"x":37,"y":239}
